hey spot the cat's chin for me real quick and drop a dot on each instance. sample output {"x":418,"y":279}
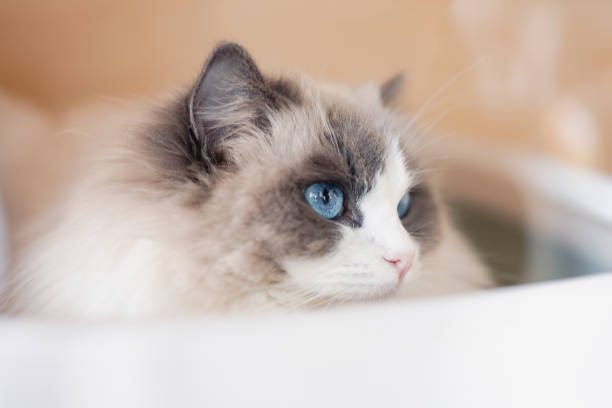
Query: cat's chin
{"x":292,"y":296}
{"x":377,"y":295}
{"x":373,"y":293}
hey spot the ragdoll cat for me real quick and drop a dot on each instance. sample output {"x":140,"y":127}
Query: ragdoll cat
{"x":250,"y":192}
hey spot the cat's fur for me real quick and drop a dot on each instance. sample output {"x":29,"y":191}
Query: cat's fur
{"x":203,"y":208}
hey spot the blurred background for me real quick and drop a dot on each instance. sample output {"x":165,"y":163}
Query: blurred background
{"x":514,"y":77}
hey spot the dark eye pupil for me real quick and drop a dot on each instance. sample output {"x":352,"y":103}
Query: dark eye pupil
{"x":326,"y":196}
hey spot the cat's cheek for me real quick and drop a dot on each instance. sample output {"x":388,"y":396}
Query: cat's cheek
{"x":354,"y":270}
{"x":414,"y":275}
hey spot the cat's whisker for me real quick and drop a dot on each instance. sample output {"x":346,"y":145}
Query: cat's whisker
{"x":417,"y":115}
{"x":426,"y":144}
{"x":429,"y":126}
{"x":442,"y":105}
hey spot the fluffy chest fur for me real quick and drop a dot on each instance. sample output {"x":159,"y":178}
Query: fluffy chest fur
{"x":210,"y":207}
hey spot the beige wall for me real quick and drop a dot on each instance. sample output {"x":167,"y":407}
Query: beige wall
{"x":540,"y":77}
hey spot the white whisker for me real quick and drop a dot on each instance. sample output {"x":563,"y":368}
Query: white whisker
{"x":443,"y":88}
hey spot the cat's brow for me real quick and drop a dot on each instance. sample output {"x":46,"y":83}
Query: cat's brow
{"x":360,"y":148}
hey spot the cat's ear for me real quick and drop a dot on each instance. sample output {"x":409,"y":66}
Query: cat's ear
{"x":391,"y":88}
{"x":230,"y":95}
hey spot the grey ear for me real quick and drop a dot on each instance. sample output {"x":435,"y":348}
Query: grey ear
{"x":391,"y":88}
{"x":229,"y":92}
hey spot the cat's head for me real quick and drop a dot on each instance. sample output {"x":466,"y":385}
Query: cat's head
{"x":317,"y":184}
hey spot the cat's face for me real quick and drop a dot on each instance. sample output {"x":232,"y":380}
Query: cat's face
{"x":369,"y":251}
{"x":344,"y":212}
{"x":316,"y":183}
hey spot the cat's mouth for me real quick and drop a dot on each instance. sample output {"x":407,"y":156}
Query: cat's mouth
{"x":386,"y":285}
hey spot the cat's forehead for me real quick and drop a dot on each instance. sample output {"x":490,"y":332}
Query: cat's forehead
{"x":337,"y":136}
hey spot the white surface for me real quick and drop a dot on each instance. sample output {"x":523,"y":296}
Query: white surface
{"x":545,"y":345}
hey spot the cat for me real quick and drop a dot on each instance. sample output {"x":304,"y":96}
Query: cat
{"x":247,"y":192}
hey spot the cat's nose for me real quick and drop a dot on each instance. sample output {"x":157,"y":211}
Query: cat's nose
{"x":401,"y":262}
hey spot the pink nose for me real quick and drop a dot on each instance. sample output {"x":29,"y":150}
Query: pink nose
{"x":401,"y":262}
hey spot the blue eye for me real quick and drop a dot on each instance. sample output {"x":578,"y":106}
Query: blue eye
{"x":326,"y":199}
{"x":404,"y":205}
